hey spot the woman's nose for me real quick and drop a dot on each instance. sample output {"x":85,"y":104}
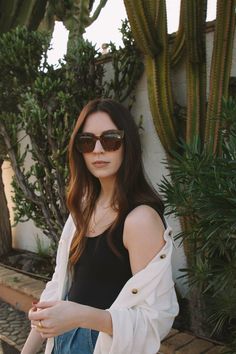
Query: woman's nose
{"x":98,"y":147}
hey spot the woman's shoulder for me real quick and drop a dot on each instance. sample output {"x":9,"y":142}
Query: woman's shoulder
{"x":143,"y":214}
{"x":143,"y":219}
{"x":143,"y":235}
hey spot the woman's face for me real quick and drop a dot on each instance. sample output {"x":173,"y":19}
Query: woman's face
{"x":102,"y":164}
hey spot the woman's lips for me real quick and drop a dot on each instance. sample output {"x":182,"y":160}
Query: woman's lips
{"x":100,"y":163}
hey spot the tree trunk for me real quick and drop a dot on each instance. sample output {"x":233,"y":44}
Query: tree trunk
{"x":5,"y":226}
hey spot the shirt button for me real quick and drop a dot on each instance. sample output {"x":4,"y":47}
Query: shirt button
{"x":162,"y":256}
{"x":134,"y":291}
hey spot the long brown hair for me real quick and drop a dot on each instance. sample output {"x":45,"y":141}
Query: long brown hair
{"x":132,"y":188}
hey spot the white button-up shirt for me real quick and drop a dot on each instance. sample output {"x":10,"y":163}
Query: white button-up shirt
{"x":144,"y":311}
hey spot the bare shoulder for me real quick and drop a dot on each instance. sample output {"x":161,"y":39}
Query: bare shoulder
{"x":143,"y":215}
{"x":143,"y":236}
{"x":143,"y":218}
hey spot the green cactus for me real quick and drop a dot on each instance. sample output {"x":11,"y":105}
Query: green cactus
{"x":149,"y":27}
{"x":194,"y":28}
{"x":16,"y":12}
{"x":75,"y":14}
{"x":148,"y":24}
{"x":179,"y":42}
{"x":220,"y":70}
{"x":143,"y":19}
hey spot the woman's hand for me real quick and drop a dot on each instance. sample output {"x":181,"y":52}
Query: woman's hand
{"x":51,"y":319}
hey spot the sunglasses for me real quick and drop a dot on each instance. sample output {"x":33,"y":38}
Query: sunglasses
{"x":110,"y":140}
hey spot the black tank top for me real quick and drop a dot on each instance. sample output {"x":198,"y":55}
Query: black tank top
{"x":99,"y":274}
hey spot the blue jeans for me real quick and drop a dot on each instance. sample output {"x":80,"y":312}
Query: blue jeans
{"x":76,"y":341}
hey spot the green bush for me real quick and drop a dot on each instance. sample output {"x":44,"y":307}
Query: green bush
{"x":202,"y":192}
{"x":41,"y":103}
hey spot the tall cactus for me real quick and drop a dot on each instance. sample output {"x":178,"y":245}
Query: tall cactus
{"x":75,"y":15}
{"x":220,"y":69}
{"x":16,"y":12}
{"x":148,"y":24}
{"x":194,"y":28}
{"x":149,"y":27}
{"x":179,"y":43}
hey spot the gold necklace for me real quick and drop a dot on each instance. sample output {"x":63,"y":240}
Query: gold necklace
{"x":91,"y":228}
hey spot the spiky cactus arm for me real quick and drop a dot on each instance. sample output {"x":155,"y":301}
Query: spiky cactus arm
{"x":194,"y":21}
{"x":76,"y":16}
{"x":161,"y":103}
{"x":16,"y":12}
{"x":179,"y":42}
{"x":220,"y":69}
{"x":149,"y":27}
{"x":97,"y":12}
{"x":143,"y":21}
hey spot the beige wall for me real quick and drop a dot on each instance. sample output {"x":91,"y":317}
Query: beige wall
{"x":24,"y":234}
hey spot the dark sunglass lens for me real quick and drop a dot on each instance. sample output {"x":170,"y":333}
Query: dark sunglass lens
{"x":85,"y":144}
{"x":111,"y":141}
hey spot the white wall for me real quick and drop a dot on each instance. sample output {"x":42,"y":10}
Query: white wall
{"x":24,"y":234}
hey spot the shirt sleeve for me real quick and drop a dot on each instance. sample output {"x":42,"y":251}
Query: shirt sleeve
{"x":52,"y":289}
{"x":144,"y":311}
{"x":140,"y":328}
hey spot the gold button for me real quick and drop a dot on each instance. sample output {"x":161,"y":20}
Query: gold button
{"x":162,"y":256}
{"x":134,"y":291}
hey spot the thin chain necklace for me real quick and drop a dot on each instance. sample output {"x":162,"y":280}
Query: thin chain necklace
{"x":94,"y":223}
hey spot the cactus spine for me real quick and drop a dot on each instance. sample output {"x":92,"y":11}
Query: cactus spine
{"x":148,"y":24}
{"x":194,"y":28}
{"x":220,"y":69}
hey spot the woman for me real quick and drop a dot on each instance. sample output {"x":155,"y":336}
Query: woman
{"x":112,"y":289}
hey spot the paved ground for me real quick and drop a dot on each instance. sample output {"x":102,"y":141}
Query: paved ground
{"x":14,"y":328}
{"x":7,"y":348}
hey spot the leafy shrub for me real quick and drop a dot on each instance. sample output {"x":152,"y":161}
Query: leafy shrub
{"x":41,"y":103}
{"x":202,"y":192}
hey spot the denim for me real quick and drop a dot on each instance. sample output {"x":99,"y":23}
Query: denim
{"x":76,"y":341}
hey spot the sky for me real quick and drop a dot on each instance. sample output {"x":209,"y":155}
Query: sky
{"x":105,"y":28}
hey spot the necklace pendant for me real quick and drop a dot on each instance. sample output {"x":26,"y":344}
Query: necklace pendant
{"x":91,"y":230}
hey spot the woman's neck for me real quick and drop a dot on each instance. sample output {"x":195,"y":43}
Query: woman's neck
{"x":107,"y":190}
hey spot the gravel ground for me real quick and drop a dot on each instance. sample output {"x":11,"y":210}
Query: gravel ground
{"x":14,"y":329}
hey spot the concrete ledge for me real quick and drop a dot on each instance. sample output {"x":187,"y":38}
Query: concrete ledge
{"x":20,"y":290}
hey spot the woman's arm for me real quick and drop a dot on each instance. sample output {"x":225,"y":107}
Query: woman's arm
{"x":33,"y":342}
{"x":61,"y":316}
{"x":143,"y":236}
